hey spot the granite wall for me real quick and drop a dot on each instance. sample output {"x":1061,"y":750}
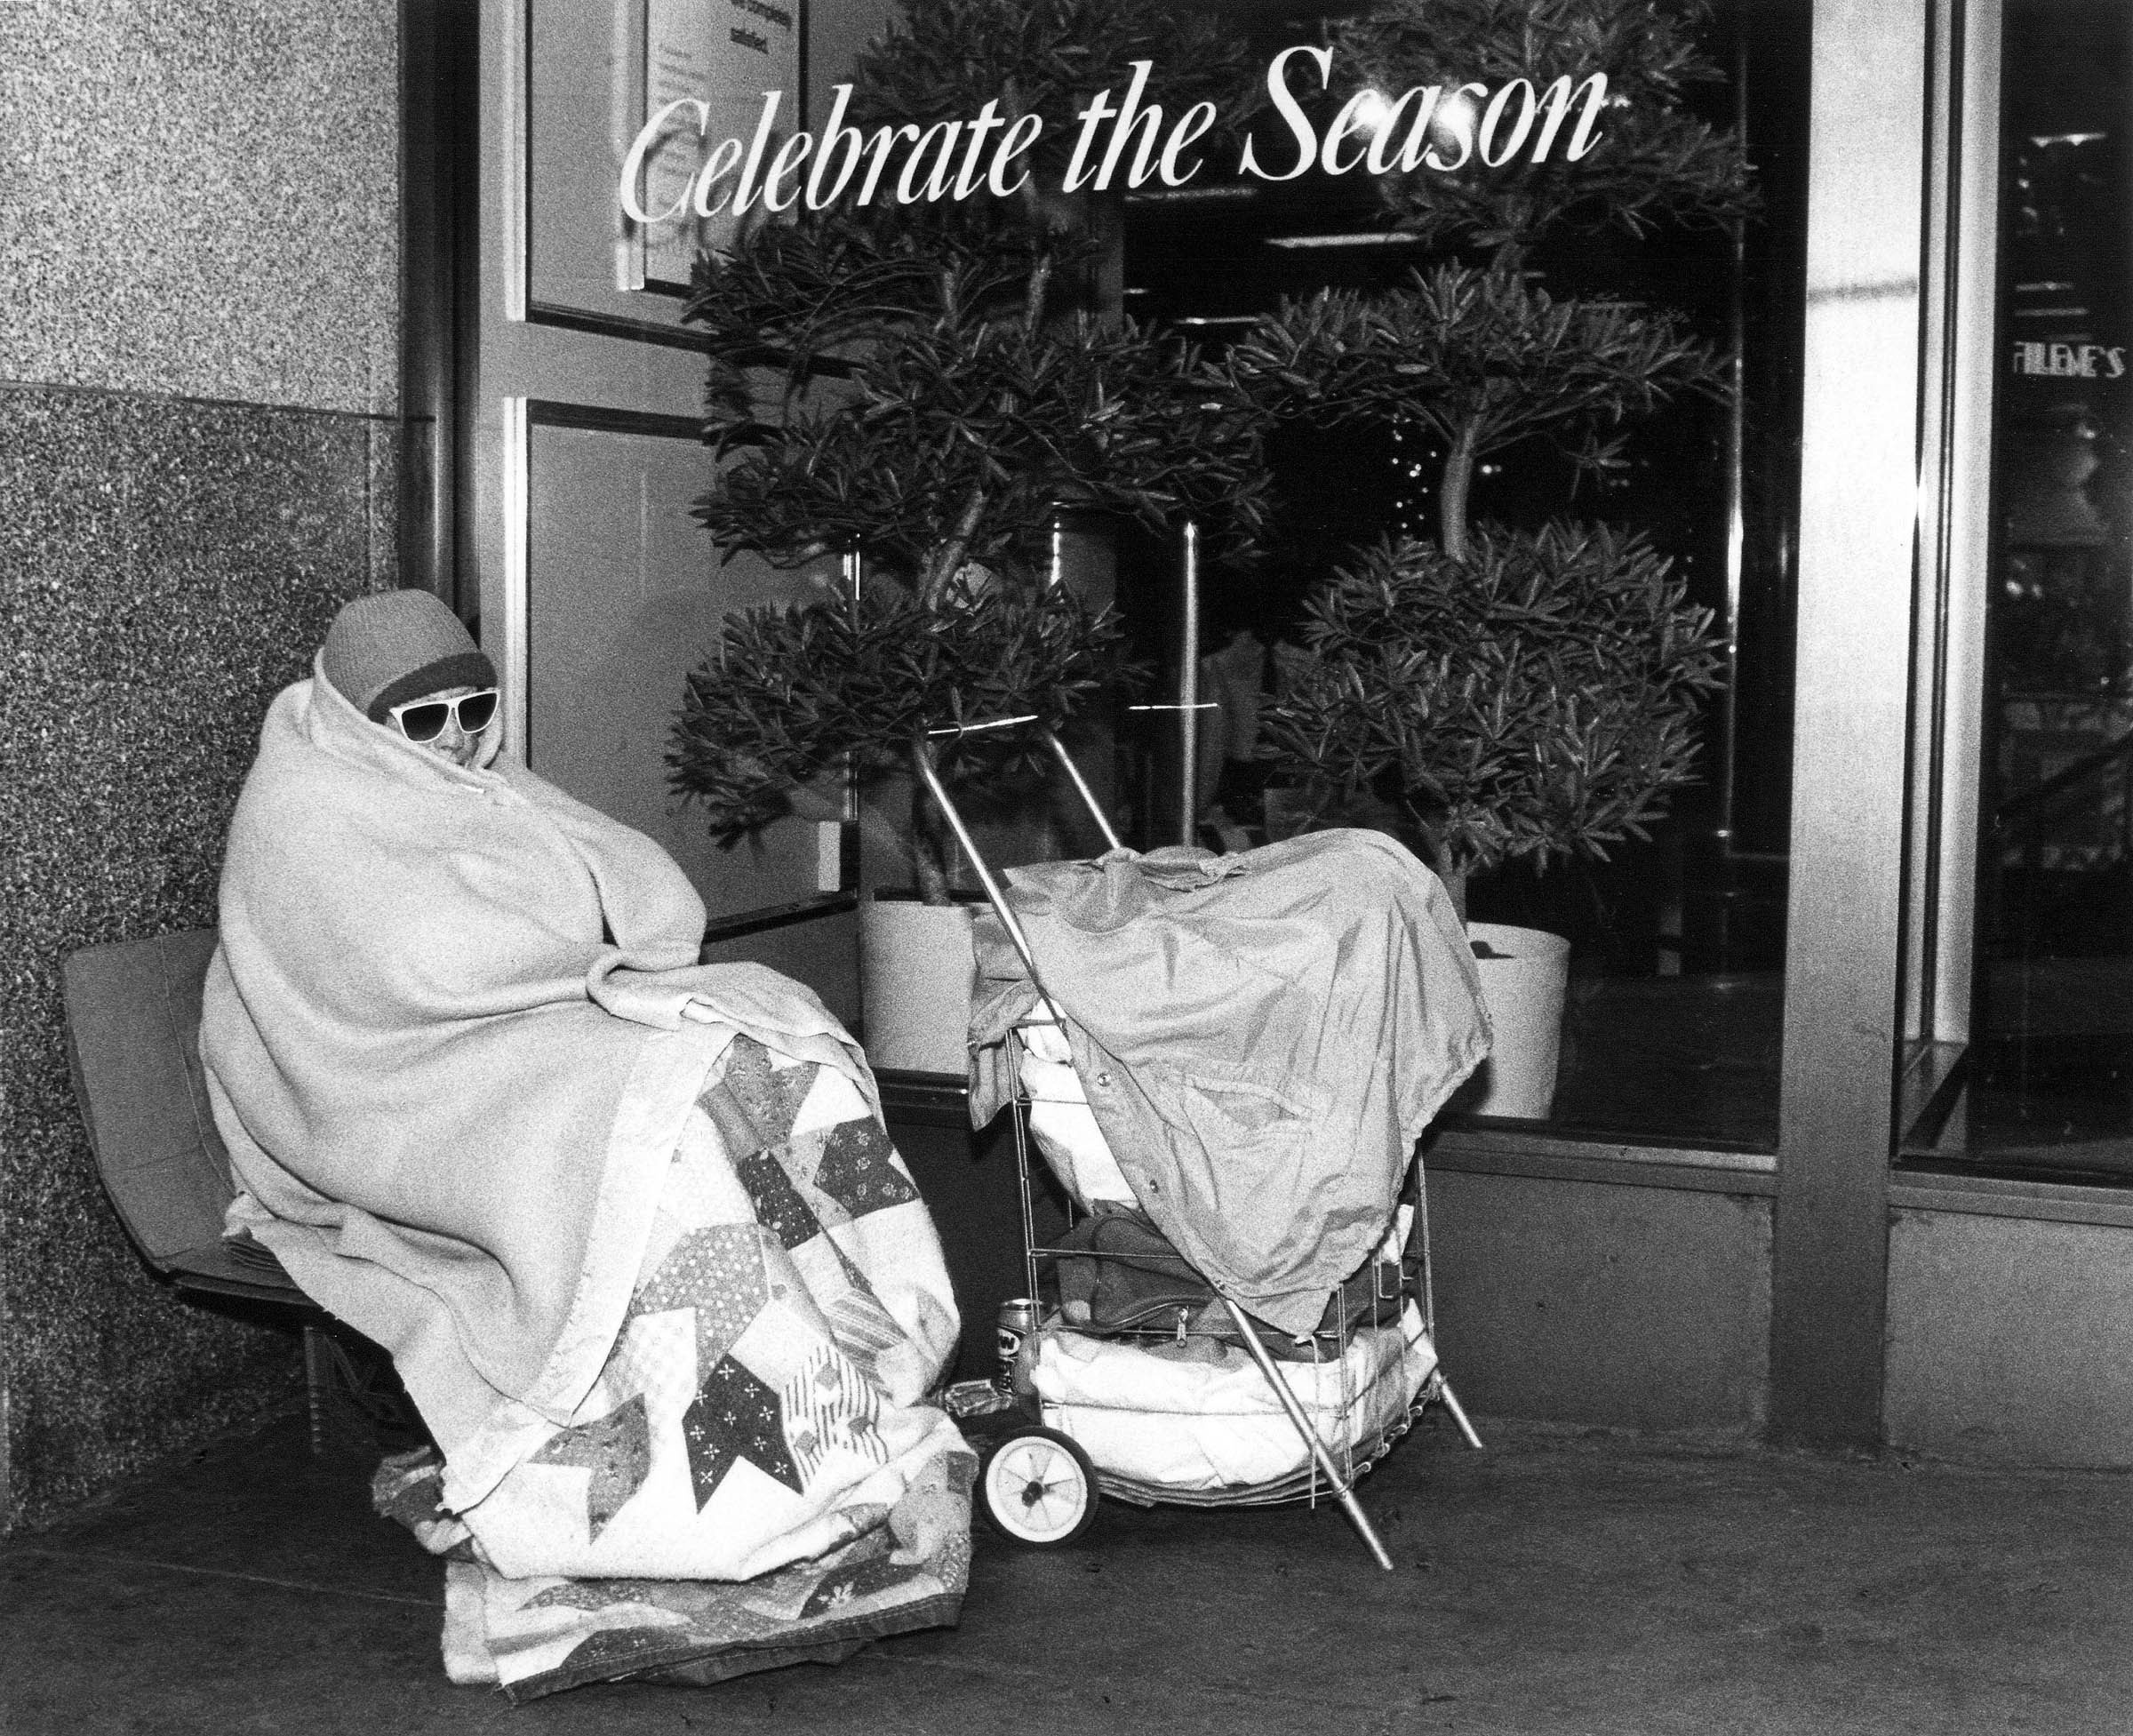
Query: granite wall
{"x":198,"y":398}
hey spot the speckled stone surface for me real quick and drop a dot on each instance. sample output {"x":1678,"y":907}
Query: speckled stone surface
{"x":164,"y":568}
{"x":200,"y":198}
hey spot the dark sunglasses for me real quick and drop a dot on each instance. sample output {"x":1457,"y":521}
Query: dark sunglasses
{"x":424,"y":720}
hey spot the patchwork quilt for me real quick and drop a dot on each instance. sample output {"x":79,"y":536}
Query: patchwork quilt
{"x":755,"y":1477}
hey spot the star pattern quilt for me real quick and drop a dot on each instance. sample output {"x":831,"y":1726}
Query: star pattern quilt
{"x":755,"y":1477}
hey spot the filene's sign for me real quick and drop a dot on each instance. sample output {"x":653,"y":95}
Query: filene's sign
{"x":1121,"y":141}
{"x":2057,"y":361}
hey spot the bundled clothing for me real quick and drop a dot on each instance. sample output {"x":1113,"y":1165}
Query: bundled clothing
{"x":661,"y":1289}
{"x":1262,"y":1038}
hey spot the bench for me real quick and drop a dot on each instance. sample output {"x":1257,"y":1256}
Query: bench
{"x":132,"y":1045}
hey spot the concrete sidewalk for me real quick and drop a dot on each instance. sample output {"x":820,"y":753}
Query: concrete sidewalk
{"x":1553,"y":1583}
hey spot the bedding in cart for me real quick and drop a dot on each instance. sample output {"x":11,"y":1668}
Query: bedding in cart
{"x":1196,"y":1415}
{"x":1247,"y":1048}
{"x":1257,"y":1040}
{"x":1171,"y":1415}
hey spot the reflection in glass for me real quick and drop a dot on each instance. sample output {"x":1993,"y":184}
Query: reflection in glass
{"x":2050,"y":1070}
{"x":1675,"y":998}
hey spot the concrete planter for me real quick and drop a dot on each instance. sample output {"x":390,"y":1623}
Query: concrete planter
{"x":916,"y":969}
{"x":1525,"y":971}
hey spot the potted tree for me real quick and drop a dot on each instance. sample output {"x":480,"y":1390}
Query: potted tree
{"x":1509,"y":693}
{"x":1537,"y":697}
{"x":928,"y":387}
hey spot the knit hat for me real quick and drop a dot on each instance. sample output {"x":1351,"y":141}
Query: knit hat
{"x":389,"y":647}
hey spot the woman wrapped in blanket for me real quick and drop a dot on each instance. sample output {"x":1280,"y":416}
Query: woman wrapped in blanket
{"x":628,"y":1225}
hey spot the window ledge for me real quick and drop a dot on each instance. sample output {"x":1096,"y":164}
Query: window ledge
{"x":1482,"y":1147}
{"x":1916,"y":1189}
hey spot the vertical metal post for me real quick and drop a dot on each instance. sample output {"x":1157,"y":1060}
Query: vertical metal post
{"x":1955,"y":523}
{"x":1188,"y":691}
{"x":851,"y":572}
{"x":1858,"y":515}
{"x":1018,"y":1114}
{"x":1736,"y":427}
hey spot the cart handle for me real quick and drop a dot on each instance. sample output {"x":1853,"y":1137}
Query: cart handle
{"x":930,"y":770}
{"x":1059,"y":750}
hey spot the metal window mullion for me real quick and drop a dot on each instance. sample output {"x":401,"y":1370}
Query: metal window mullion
{"x":1973,"y":371}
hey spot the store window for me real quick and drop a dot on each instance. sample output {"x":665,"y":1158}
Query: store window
{"x":1674,"y":1008}
{"x":2047,"y":1086}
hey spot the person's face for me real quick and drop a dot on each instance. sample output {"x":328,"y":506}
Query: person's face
{"x":459,"y":746}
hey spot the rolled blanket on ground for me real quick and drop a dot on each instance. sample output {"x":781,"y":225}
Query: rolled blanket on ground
{"x":659,"y":1286}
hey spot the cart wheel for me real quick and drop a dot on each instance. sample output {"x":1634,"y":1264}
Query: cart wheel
{"x":1038,"y":1488}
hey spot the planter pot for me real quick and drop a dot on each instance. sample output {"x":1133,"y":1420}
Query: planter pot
{"x":1523,"y":978}
{"x":915,"y":968}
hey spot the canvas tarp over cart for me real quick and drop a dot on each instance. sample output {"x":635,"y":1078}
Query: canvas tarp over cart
{"x":1173,"y":1356}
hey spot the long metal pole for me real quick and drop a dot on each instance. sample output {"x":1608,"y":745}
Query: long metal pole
{"x":1735,"y":449}
{"x":1343,"y":1491}
{"x":1096,"y":811}
{"x":1189,"y":692}
{"x":853,"y":575}
{"x":1458,"y":1410}
{"x":930,"y":772}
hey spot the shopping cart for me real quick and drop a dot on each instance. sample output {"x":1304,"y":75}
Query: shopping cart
{"x":1183,"y":1400}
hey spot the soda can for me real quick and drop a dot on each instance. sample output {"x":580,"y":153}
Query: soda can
{"x":1017,"y":1320}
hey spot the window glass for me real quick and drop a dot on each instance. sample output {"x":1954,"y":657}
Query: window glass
{"x":1674,"y":994}
{"x":2049,"y":1078}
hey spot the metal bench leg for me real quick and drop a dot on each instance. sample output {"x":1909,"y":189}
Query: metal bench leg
{"x":1343,"y":1492}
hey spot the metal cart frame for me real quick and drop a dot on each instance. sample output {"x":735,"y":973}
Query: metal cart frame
{"x":1361,"y":1455}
